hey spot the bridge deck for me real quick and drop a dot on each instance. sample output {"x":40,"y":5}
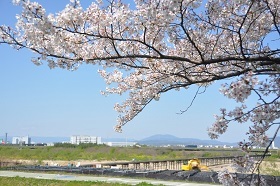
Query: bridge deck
{"x":172,"y":164}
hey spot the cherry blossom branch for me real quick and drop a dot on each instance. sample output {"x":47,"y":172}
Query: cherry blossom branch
{"x":196,"y":94}
{"x":266,"y":151}
{"x":166,"y":45}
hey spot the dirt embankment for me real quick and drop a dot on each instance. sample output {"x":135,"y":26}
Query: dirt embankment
{"x":267,"y":167}
{"x":56,"y":162}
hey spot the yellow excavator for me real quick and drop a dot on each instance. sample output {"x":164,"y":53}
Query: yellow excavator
{"x":194,"y":164}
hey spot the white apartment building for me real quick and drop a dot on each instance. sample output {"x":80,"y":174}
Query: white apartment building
{"x":77,"y":139}
{"x":23,"y":140}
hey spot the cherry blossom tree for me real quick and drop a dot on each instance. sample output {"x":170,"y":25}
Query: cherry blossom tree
{"x":154,"y":46}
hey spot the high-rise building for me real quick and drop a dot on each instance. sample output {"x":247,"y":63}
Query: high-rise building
{"x":23,"y":140}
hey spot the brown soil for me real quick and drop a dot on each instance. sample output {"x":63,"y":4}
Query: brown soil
{"x":217,"y":168}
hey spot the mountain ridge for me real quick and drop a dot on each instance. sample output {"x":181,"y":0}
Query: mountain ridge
{"x":164,"y":139}
{"x":173,"y":140}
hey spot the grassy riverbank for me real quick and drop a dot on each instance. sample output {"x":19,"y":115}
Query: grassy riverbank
{"x":102,"y":153}
{"x":66,"y":153}
{"x":7,"y":181}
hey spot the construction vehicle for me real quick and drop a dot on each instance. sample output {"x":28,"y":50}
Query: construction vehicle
{"x":194,"y":164}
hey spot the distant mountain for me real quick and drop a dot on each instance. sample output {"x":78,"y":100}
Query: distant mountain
{"x":167,"y":139}
{"x":161,"y":137}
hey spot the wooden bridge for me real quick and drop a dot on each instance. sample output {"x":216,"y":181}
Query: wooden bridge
{"x":174,"y":164}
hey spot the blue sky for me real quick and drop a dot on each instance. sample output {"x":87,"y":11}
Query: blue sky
{"x":37,"y":101}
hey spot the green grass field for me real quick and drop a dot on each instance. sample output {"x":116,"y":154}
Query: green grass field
{"x":6,"y":181}
{"x":101,"y":153}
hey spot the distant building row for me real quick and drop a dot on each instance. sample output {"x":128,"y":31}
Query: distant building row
{"x":97,"y":140}
{"x":78,"y":139}
{"x":75,"y":139}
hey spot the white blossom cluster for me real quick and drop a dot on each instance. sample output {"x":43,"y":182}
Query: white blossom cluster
{"x":240,"y":89}
{"x":165,"y":45}
{"x":263,"y":115}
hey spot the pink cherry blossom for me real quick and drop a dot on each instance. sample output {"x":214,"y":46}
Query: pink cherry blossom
{"x":166,"y":45}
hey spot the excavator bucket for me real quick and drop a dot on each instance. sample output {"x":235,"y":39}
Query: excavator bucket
{"x":186,"y":167}
{"x":194,"y":164}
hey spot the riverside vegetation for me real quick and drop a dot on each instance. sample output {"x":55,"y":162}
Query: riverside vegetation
{"x":93,"y":152}
{"x":43,"y":182}
{"x":69,"y":152}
